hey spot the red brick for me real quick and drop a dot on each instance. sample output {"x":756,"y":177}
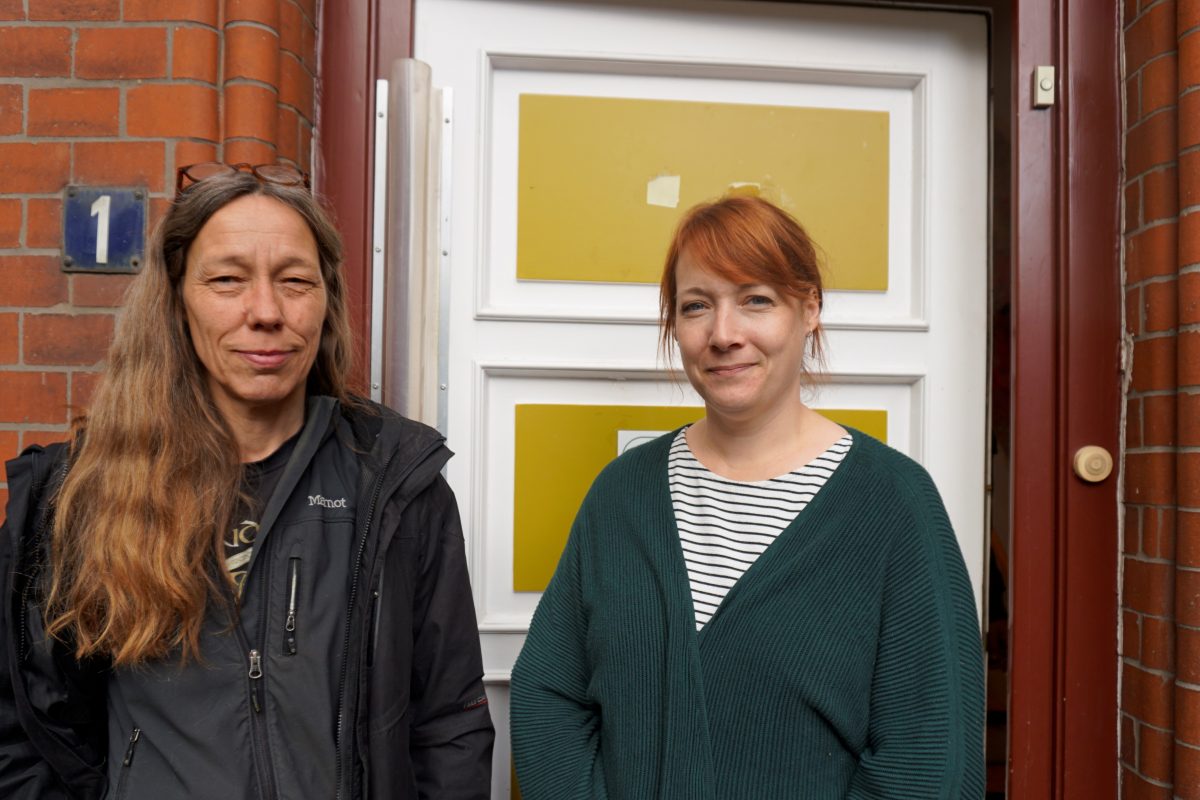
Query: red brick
{"x":1131,"y":540}
{"x":10,"y":445}
{"x":1128,"y":741}
{"x":42,"y":437}
{"x":1189,"y":60}
{"x":83,"y":388}
{"x":1146,"y":696}
{"x":12,"y":109}
{"x":309,"y":7}
{"x":10,"y":223}
{"x":1189,"y":298}
{"x":1147,"y":587}
{"x":64,"y":339}
{"x":1189,"y":479}
{"x":1187,"y":660}
{"x":1152,"y":34}
{"x":1189,"y":358}
{"x":306,"y":138}
{"x":1158,"y":644}
{"x":1158,"y":423}
{"x":249,"y":151}
{"x":172,"y":110}
{"x":1158,"y":533}
{"x":1188,"y":413}
{"x":1187,"y":715}
{"x":73,"y":112}
{"x":74,"y":9}
{"x":1187,"y":16}
{"x":1187,"y":549}
{"x":1162,"y":312}
{"x":1151,"y":253}
{"x":1160,"y":195}
{"x":1133,"y":310}
{"x":12,"y":10}
{"x":34,"y":167}
{"x":1151,"y":143}
{"x":1189,"y":120}
{"x":1156,"y":753}
{"x":187,"y":153}
{"x":1133,"y":423}
{"x":184,"y":10}
{"x":291,"y":28}
{"x":32,"y":281}
{"x":1187,"y":597}
{"x":99,"y":291}
{"x":253,"y":53}
{"x":308,"y":51}
{"x":43,"y":224}
{"x":1187,"y":772}
{"x":295,"y":85}
{"x":1154,"y":364}
{"x":1133,"y":99}
{"x":265,"y":12}
{"x":121,"y":53}
{"x":250,"y":112}
{"x":121,"y":164}
{"x":287,"y":134}
{"x":1133,"y":205}
{"x":1131,"y":635}
{"x":35,"y":52}
{"x":195,"y":54}
{"x":33,"y":397}
{"x":1159,"y":89}
{"x":10,"y":336}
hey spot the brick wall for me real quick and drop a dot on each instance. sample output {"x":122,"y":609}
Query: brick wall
{"x":118,"y":93}
{"x":1160,"y":648}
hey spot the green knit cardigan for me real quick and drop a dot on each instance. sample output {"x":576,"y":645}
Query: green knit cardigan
{"x":846,"y":662}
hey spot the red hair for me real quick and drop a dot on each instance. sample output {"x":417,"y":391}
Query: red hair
{"x":744,"y":239}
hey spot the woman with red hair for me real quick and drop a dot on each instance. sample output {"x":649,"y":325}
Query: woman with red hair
{"x":764,"y":604}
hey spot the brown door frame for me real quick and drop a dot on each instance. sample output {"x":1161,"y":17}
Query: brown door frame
{"x":1066,"y":384}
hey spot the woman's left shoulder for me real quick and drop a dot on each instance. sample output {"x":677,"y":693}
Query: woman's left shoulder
{"x":886,"y":466}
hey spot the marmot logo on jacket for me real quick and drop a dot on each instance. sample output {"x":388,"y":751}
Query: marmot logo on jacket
{"x":318,"y":500}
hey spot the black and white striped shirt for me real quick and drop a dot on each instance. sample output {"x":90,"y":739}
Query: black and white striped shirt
{"x":724,"y":525}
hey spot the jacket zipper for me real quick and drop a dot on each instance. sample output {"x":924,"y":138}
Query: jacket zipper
{"x":254,"y":676}
{"x":127,"y":762}
{"x":354,"y":567}
{"x":289,"y":625}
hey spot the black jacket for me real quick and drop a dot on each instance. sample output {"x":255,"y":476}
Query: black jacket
{"x":354,"y":669}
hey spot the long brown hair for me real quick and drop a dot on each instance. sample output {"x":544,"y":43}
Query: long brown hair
{"x":156,"y":472}
{"x":746,"y":239}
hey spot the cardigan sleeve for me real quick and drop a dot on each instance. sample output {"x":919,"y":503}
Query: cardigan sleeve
{"x":555,"y":728}
{"x":925,"y":737}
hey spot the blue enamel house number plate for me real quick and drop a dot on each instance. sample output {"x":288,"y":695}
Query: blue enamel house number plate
{"x":104,"y":229}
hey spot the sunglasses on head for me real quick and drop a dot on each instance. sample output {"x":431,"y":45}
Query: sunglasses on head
{"x":281,"y":174}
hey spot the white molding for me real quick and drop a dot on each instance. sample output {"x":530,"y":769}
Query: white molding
{"x":852,"y":75}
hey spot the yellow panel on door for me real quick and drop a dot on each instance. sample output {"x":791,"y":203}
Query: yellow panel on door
{"x":561,"y":448}
{"x":603,"y":181}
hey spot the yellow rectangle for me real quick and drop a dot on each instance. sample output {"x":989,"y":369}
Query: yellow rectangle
{"x":602,"y":181}
{"x":560,"y":449}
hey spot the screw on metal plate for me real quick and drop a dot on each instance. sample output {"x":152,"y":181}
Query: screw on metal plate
{"x":137,"y":195}
{"x":68,"y":261}
{"x":135,"y":262}
{"x":71,"y":192}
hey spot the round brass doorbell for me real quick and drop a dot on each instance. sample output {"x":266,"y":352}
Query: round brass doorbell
{"x":1092,"y":463}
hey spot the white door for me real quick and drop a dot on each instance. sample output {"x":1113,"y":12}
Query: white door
{"x":582,"y":130}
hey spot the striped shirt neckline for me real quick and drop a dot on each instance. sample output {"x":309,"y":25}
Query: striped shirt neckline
{"x":725,"y":524}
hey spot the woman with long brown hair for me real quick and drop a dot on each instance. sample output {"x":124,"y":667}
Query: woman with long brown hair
{"x":763,"y":604}
{"x":239,"y":579}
